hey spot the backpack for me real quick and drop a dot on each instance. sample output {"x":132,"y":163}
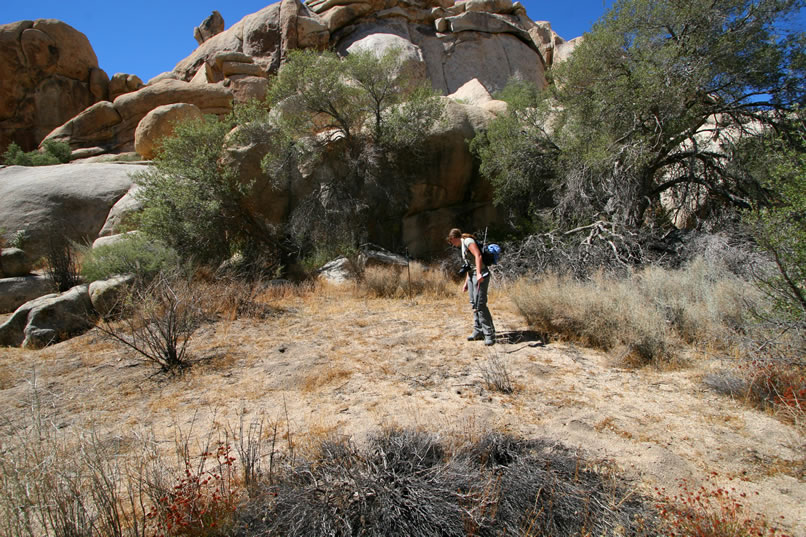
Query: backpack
{"x":490,"y":253}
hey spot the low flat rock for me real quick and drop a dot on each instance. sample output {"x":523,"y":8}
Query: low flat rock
{"x":48,"y":319}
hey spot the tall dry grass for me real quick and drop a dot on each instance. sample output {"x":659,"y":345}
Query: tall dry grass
{"x":647,"y":315}
{"x":400,"y":282}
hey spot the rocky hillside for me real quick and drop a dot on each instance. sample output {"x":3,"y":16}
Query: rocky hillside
{"x":58,"y":90}
{"x":466,"y":50}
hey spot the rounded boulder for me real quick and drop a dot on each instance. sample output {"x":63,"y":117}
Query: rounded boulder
{"x":160,"y":123}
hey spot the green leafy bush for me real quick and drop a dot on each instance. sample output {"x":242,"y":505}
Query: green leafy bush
{"x":52,"y":152}
{"x":134,"y":254}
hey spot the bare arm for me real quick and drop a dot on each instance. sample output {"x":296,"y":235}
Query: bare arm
{"x":474,"y":249}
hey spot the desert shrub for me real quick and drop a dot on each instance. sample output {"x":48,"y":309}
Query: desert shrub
{"x":399,"y":281}
{"x":201,"y":499}
{"x":134,"y":254}
{"x":409,"y":483}
{"x":61,"y":262}
{"x":158,"y":321}
{"x":647,"y":313}
{"x":703,"y":302}
{"x":52,"y":152}
{"x":710,"y":511}
{"x":604,"y":313}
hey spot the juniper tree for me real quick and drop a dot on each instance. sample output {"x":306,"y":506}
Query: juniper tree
{"x":649,"y":104}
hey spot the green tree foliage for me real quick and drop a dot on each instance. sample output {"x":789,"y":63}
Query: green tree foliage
{"x":350,"y":129}
{"x":52,"y":152}
{"x":779,"y":222}
{"x":648,"y":104}
{"x":193,"y":202}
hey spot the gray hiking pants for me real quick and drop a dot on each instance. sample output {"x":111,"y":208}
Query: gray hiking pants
{"x":482,"y":319}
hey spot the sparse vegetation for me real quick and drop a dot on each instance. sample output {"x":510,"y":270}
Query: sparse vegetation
{"x":158,"y":320}
{"x":710,"y":511}
{"x":646,"y":315}
{"x":402,"y":282}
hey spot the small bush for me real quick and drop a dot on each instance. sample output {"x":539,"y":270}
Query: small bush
{"x":61,"y":262}
{"x":710,"y":511}
{"x":158,"y":321}
{"x":135,"y":254}
{"x":496,"y":375}
{"x":52,"y":152}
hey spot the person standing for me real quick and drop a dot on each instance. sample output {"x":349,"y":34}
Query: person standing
{"x":477,"y":280}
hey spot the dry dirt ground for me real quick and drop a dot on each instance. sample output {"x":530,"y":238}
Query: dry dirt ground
{"x":332,"y":363}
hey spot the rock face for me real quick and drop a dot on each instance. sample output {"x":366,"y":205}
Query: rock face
{"x":487,"y":40}
{"x":159,"y":123}
{"x":14,"y":262}
{"x":212,"y":25}
{"x":48,"y":319}
{"x":71,"y":199}
{"x":112,"y":125}
{"x":49,"y":74}
{"x":14,"y":292}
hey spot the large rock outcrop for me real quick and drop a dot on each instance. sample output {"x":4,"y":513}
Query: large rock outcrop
{"x":486,"y":40}
{"x":71,"y":200}
{"x":448,"y":187}
{"x":49,"y":74}
{"x":112,"y":125}
{"x":451,"y":44}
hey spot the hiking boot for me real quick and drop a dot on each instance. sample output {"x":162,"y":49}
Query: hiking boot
{"x":489,"y":341}
{"x":475,"y":336}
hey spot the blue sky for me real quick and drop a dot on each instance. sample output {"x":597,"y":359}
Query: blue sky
{"x":149,"y":37}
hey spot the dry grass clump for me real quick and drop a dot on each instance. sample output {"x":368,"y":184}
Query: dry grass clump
{"x":603,"y":313}
{"x":647,"y":313}
{"x":235,"y":298}
{"x":704,"y":303}
{"x":400,"y":282}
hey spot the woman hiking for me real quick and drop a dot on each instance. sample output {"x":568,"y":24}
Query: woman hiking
{"x":477,"y":280}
